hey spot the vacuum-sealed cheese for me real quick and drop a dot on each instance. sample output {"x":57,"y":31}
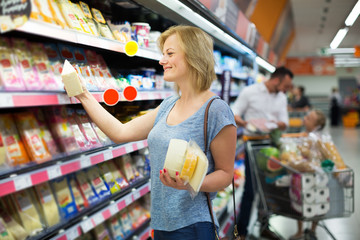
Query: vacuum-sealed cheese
{"x":71,"y":80}
{"x":29,"y":216}
{"x":109,"y":178}
{"x":5,"y":234}
{"x":64,"y":197}
{"x":175,"y":156}
{"x":80,"y":200}
{"x":48,"y":205}
{"x":118,"y":175}
{"x":101,"y":187}
{"x":15,"y":229}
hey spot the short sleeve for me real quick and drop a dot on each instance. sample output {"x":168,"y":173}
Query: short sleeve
{"x":240,"y":103}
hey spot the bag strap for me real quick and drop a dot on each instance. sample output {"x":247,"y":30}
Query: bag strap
{"x":207,"y":194}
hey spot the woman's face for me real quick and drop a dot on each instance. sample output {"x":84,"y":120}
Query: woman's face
{"x":173,"y":60}
{"x":310,"y":121}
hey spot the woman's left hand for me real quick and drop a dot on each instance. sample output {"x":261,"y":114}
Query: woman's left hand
{"x":177,"y":183}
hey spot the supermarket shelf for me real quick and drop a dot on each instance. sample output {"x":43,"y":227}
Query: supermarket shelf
{"x":68,"y":35}
{"x":28,"y":99}
{"x":25,"y":180}
{"x":142,"y":233}
{"x":87,"y":221}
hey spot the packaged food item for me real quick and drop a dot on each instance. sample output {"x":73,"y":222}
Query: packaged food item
{"x":24,"y":203}
{"x":96,"y":72}
{"x":45,"y":134}
{"x":12,"y":226}
{"x":80,"y":138}
{"x":64,"y":197}
{"x":3,"y":157}
{"x":42,"y":65}
{"x":117,"y":174}
{"x":79,"y":198}
{"x":122,"y":32}
{"x":31,"y":137}
{"x":15,"y":149}
{"x":101,"y":232}
{"x":125,"y":221}
{"x":115,"y":228}
{"x":56,"y":13}
{"x":329,"y":151}
{"x":9,"y":77}
{"x":85,"y":126}
{"x":35,"y":12}
{"x":67,"y":11}
{"x":5,"y":234}
{"x":55,"y":62}
{"x":81,"y":18}
{"x":61,"y":129}
{"x":71,"y":80}
{"x":102,"y":26}
{"x":86,"y":188}
{"x":105,"y":140}
{"x":142,"y":31}
{"x":110,"y":80}
{"x":25,"y":64}
{"x":189,"y":161}
{"x":108,"y":177}
{"x":48,"y":207}
{"x":89,"y":18}
{"x":125,"y":164}
{"x":138,"y":214}
{"x":44,"y":11}
{"x":101,"y":188}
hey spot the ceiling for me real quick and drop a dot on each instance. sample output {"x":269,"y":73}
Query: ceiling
{"x":317,"y":22}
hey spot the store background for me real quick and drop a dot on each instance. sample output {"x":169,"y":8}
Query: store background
{"x":277,"y":31}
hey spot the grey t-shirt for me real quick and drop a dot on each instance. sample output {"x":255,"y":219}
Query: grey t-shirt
{"x":173,"y":209}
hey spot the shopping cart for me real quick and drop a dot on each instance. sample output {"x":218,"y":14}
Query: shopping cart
{"x":302,"y":196}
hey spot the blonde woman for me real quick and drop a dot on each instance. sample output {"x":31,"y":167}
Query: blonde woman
{"x":187,"y":61}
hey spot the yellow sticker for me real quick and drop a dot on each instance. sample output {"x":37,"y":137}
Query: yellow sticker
{"x":131,"y":48}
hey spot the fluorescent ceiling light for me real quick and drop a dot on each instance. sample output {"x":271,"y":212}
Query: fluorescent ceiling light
{"x":265,"y":64}
{"x":340,"y":50}
{"x":353,"y":15}
{"x":207,"y":26}
{"x":339,"y":37}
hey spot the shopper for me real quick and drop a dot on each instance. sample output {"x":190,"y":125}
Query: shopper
{"x":187,"y":61}
{"x":314,"y":121}
{"x":300,"y":102}
{"x":335,"y":107}
{"x":267,"y":101}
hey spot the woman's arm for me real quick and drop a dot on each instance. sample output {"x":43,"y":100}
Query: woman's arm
{"x":134,"y":130}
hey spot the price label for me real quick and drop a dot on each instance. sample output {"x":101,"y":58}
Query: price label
{"x":113,"y":209}
{"x":63,"y":98}
{"x":54,"y":172}
{"x":72,"y":233}
{"x":108,"y":155}
{"x":136,"y":195}
{"x":140,"y":145}
{"x":22,"y":182}
{"x":98,"y":218}
{"x":128,"y":200}
{"x":85,"y":162}
{"x":129,"y":148}
{"x":6,"y":100}
{"x":86,"y":225}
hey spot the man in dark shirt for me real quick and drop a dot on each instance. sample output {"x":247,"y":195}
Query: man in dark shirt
{"x":301,"y":102}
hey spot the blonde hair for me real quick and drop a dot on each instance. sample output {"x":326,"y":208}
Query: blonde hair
{"x":320,"y":119}
{"x":198,"y":49}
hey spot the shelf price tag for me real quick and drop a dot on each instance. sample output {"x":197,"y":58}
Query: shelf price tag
{"x":22,"y":182}
{"x":86,"y":225}
{"x":85,"y":162}
{"x":63,"y":98}
{"x":140,"y":145}
{"x":129,"y":148}
{"x":113,"y":209}
{"x":108,"y":155}
{"x":72,"y":233}
{"x":54,"y":172}
{"x":128,"y":200}
{"x":98,"y":219}
{"x":136,"y":195}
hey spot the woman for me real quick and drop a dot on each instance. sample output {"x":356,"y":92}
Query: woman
{"x":314,"y":121}
{"x":300,"y":101}
{"x":187,"y":61}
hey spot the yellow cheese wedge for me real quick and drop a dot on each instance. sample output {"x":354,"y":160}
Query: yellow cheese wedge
{"x":48,"y":205}
{"x":175,"y":156}
{"x":200,"y":171}
{"x":71,"y":80}
{"x":189,"y":166}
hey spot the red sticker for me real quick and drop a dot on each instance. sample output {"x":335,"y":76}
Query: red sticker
{"x":111,"y":97}
{"x":130,"y":93}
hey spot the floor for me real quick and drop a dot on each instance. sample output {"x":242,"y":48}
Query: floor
{"x":347,"y":140}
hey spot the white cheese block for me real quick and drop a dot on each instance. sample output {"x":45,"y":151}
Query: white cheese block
{"x":200,"y":171}
{"x":71,"y":80}
{"x":175,"y":156}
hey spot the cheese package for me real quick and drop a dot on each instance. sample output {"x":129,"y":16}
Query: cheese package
{"x":79,"y":197}
{"x":101,"y":24}
{"x":31,"y":137}
{"x":118,"y":175}
{"x":3,"y":158}
{"x":116,"y":228}
{"x":189,"y":161}
{"x":26,"y":208}
{"x":67,"y":11}
{"x":5,"y":234}
{"x":71,"y":80}
{"x":15,"y":149}
{"x":56,"y":13}
{"x":55,"y":62}
{"x":89,"y":18}
{"x":61,"y":129}
{"x":85,"y":187}
{"x":13,"y":227}
{"x":81,"y":139}
{"x":44,"y":9}
{"x":86,"y":128}
{"x":125,"y":221}
{"x":48,"y":207}
{"x":101,"y":188}
{"x":108,"y":177}
{"x":64,"y":197}
{"x":81,"y":18}
{"x":105,"y":140}
{"x":101,"y":232}
{"x":125,"y":164}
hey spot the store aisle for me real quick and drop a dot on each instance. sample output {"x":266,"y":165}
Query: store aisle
{"x":347,"y":141}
